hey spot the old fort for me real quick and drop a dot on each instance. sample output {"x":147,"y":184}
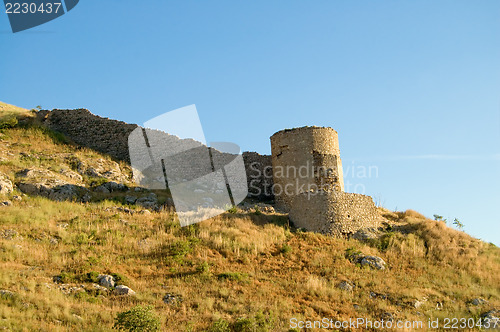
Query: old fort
{"x":303,"y":175}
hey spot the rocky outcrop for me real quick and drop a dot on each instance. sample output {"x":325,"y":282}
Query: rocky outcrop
{"x":99,"y":168}
{"x":106,"y":280}
{"x":6,"y":186}
{"x":374,"y":262}
{"x":34,"y":181}
{"x":172,"y":299}
{"x":110,"y":187}
{"x":123,"y":290}
{"x":366,"y":234}
{"x":148,"y":202}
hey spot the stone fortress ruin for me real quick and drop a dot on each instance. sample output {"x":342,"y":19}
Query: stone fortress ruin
{"x":309,"y":183}
{"x":305,"y":159}
{"x":303,"y":174}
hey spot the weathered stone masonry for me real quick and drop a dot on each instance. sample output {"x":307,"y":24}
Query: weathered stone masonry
{"x":92,"y":131}
{"x":322,"y":206}
{"x":334,"y":213}
{"x":111,"y":137}
{"x":315,"y":198}
{"x":305,"y":158}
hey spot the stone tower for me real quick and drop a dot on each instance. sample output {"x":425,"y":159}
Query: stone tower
{"x":308,"y":183}
{"x":305,"y":159}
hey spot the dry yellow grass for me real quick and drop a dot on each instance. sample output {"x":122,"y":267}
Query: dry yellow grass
{"x":241,"y":267}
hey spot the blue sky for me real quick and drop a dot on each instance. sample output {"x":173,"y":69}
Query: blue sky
{"x":412,"y":87}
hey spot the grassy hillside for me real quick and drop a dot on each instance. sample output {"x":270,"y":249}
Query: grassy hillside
{"x":242,"y":271}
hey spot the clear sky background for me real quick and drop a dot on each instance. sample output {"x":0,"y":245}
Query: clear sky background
{"x":412,"y":87}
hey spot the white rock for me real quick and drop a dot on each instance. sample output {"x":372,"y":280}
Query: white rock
{"x":106,"y":280}
{"x":479,"y":301}
{"x":6,"y":186}
{"x":373,"y":262}
{"x":123,"y":290}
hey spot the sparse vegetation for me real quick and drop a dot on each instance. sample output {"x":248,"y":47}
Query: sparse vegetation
{"x":285,"y":249}
{"x":9,"y":121}
{"x":240,"y":271}
{"x":233,"y":276}
{"x":437,"y":217}
{"x":458,"y":224}
{"x":138,"y":319}
{"x":232,"y":209}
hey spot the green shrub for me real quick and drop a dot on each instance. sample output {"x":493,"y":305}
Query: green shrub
{"x":233,"y":209}
{"x":219,"y":325}
{"x":286,"y":249}
{"x":9,"y":121}
{"x":234,"y":276}
{"x":81,"y":238}
{"x":96,"y":181}
{"x":57,"y":137}
{"x":259,"y":323}
{"x":244,"y":325}
{"x":264,"y":322}
{"x":138,"y":318}
{"x":92,"y":277}
{"x":384,"y":242}
{"x":65,"y":278}
{"x":120,"y":279}
{"x":203,"y":268}
{"x":190,"y":231}
{"x":179,"y":249}
{"x":353,"y":254}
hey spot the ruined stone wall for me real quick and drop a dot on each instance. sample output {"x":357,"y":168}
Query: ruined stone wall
{"x":334,"y":213}
{"x":259,"y":175}
{"x":112,"y":137}
{"x":305,"y":159}
{"x":92,"y":131}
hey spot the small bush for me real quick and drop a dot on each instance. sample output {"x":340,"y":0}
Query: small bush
{"x":57,"y":137}
{"x":286,"y":249}
{"x":120,"y":279}
{"x":92,"y":277}
{"x":234,"y":276}
{"x":96,"y":181}
{"x":244,"y":325}
{"x":191,"y":230}
{"x":383,"y":243}
{"x":233,"y":209}
{"x":353,"y":254}
{"x":280,"y":221}
{"x":220,"y":325}
{"x":9,"y":121}
{"x":81,"y":239}
{"x":179,"y":249}
{"x":138,"y":318}
{"x":65,"y":278}
{"x":264,"y":322}
{"x":203,"y":268}
{"x":260,"y":323}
